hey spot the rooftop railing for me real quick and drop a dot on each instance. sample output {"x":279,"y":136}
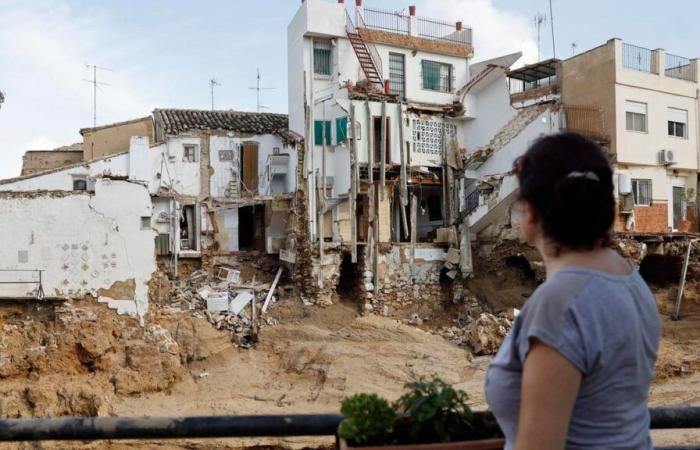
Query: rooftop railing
{"x":381,"y":19}
{"x":678,"y":67}
{"x":399,"y":23}
{"x":443,"y":31}
{"x":637,"y":58}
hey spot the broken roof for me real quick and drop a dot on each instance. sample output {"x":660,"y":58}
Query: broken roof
{"x":175,"y":121}
{"x":537,"y":71}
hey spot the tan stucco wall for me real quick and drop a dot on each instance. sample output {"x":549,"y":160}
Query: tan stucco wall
{"x":38,"y":161}
{"x":111,"y":139}
{"x":588,"y":79}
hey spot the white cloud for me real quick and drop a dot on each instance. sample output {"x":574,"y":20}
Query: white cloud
{"x":496,"y":32}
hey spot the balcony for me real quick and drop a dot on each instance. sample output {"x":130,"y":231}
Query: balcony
{"x":410,"y":31}
{"x":534,"y":83}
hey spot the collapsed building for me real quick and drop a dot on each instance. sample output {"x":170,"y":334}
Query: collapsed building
{"x":394,"y":163}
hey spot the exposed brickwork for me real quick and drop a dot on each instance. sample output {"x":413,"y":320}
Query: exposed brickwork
{"x":647,"y":219}
{"x":416,"y":43}
{"x":35,"y":161}
{"x":534,"y":93}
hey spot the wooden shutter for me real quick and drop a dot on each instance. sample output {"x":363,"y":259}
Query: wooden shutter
{"x":250,"y":165}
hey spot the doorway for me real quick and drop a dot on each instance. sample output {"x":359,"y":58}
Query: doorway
{"x":251,"y":228}
{"x":678,"y":206}
{"x":377,"y":130}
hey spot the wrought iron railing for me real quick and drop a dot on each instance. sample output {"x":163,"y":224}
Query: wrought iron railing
{"x":679,"y":67}
{"x":393,"y":22}
{"x":472,"y":201}
{"x":637,"y":58}
{"x":443,"y":31}
{"x":587,"y":120}
{"x":373,"y":52}
{"x":159,"y":428}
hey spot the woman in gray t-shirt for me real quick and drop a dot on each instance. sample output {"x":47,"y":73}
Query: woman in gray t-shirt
{"x":574,"y":373}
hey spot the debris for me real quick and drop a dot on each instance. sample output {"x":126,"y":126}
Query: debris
{"x":240,"y":302}
{"x":217,"y":302}
{"x":453,"y":256}
{"x":445,"y":236}
{"x":272,"y":289}
{"x":228,"y":274}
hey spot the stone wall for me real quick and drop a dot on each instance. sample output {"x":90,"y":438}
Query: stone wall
{"x":35,"y":161}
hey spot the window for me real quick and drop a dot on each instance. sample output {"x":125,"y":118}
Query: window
{"x":397,"y":75}
{"x":318,"y":132}
{"x":678,"y":123}
{"x":437,"y":76}
{"x":190,"y":153}
{"x":641,"y":190}
{"x":145,"y":222}
{"x":322,"y":58}
{"x":341,"y":129}
{"x":80,"y":184}
{"x":636,"y":116}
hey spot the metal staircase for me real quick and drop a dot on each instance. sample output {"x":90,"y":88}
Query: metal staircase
{"x":366,"y":54}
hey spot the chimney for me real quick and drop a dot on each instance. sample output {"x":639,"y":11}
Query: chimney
{"x":459,"y":26}
{"x":341,"y":1}
{"x":412,"y":10}
{"x":387,"y":87}
{"x":358,"y":3}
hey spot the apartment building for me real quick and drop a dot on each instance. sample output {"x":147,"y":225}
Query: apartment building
{"x":383,"y":100}
{"x":650,"y":103}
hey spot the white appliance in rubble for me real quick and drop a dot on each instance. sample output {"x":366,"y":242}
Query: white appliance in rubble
{"x":624,"y":183}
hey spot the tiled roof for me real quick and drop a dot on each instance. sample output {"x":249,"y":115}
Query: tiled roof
{"x":174,"y":121}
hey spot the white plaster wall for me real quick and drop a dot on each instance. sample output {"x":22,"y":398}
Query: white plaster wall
{"x":492,"y":110}
{"x":643,"y":148}
{"x":82,"y":242}
{"x":62,"y":180}
{"x":502,"y":160}
{"x":140,"y":166}
{"x":266,"y":145}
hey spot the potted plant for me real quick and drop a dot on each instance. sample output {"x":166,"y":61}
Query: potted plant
{"x":431,"y":415}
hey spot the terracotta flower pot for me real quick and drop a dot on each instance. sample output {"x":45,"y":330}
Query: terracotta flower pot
{"x":490,"y":444}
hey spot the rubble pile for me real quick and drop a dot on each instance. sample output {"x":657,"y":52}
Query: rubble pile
{"x":228,"y":303}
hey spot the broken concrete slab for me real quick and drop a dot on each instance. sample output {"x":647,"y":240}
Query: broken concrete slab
{"x":240,"y":301}
{"x":218,"y":302}
{"x":453,"y":256}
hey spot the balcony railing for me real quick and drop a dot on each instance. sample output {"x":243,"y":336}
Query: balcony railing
{"x":435,"y":30}
{"x":637,"y":58}
{"x":443,"y":31}
{"x":587,"y":120}
{"x":679,"y":67}
{"x":472,"y":201}
{"x":393,"y":22}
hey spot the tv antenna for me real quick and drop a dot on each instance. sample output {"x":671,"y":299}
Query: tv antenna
{"x":95,"y":85}
{"x":540,"y":20}
{"x":551,"y":24}
{"x":213,"y":82}
{"x":573,"y":48}
{"x":257,"y":88}
{"x":2,"y":98}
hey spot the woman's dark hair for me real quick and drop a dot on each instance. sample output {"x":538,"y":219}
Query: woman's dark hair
{"x":568,"y":181}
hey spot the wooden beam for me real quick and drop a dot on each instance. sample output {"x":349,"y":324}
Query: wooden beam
{"x":382,"y":157}
{"x":465,"y":249}
{"x":414,"y":220}
{"x":681,"y":287}
{"x":353,"y":185}
{"x":370,"y":145}
{"x":403,"y":186}
{"x":272,"y":289}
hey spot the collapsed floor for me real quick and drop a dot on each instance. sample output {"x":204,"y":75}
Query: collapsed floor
{"x":80,"y":358}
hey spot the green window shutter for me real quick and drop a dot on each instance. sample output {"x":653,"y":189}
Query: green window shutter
{"x":341,"y":129}
{"x":431,"y":75}
{"x":318,"y":132}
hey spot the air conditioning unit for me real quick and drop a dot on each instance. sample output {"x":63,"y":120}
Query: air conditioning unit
{"x":667,"y":157}
{"x":626,"y":203}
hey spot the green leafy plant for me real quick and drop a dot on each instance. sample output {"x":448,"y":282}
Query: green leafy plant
{"x":437,"y":411}
{"x":368,"y":419}
{"x":431,"y":411}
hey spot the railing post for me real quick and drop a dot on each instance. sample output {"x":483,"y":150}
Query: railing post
{"x":658,"y":62}
{"x":412,"y":21}
{"x":695,"y":70}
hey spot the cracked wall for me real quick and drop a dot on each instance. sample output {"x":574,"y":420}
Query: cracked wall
{"x":85,"y":244}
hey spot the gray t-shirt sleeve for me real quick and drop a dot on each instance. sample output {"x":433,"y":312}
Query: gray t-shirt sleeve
{"x":552,"y":319}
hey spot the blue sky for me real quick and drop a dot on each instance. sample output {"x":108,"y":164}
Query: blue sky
{"x":164,"y":52}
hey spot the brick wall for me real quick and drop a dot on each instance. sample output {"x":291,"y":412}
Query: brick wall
{"x":647,"y":219}
{"x":417,"y":43}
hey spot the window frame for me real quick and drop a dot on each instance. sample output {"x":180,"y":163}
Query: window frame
{"x":675,"y":124}
{"x":322,"y":45}
{"x":440,"y":65}
{"x":636,"y":191}
{"x":195,"y":153}
{"x":401,"y":94}
{"x":634,"y":114}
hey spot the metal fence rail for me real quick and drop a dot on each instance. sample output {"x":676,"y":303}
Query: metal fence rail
{"x":117,"y":428}
{"x":678,"y":67}
{"x":381,"y":19}
{"x":637,"y":58}
{"x":443,"y":31}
